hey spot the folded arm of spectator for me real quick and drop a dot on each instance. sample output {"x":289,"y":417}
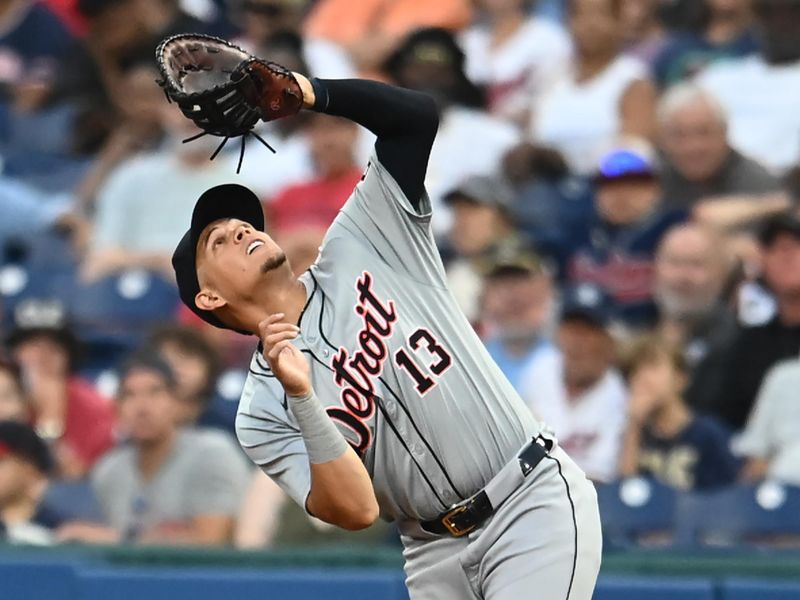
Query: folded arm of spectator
{"x":731,"y":212}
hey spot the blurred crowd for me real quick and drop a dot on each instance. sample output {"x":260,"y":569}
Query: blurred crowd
{"x":615,"y":186}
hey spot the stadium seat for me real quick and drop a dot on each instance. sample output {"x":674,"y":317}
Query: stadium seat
{"x":769,"y":512}
{"x":636,"y":510}
{"x":113,"y":314}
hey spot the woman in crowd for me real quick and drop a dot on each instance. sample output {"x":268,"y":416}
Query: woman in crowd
{"x":606,"y":95}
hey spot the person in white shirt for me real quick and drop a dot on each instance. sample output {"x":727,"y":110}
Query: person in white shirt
{"x":513,"y":55}
{"x":761,"y":92}
{"x":469,"y":141}
{"x":769,"y":441}
{"x":604,"y":97}
{"x":134,"y":227}
{"x":577,"y":392}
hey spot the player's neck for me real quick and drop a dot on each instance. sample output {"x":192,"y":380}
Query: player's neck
{"x":288,"y":299}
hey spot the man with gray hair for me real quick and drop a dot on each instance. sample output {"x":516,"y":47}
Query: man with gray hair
{"x":700,"y":162}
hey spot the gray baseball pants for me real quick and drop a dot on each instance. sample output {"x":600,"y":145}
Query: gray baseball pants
{"x":543,"y":543}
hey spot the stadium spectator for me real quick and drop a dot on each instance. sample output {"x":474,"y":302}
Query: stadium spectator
{"x":332,"y":143}
{"x":645,"y":34}
{"x":469,"y":141}
{"x":139,"y":130}
{"x":25,"y":462}
{"x":615,"y":245}
{"x":481,"y":229}
{"x":168,"y":485}
{"x":548,"y":200}
{"x":372,"y":29}
{"x":692,"y":267}
{"x":577,"y":392}
{"x":514,"y":55}
{"x":663,"y":437}
{"x":196,"y":366}
{"x":261,"y":20}
{"x":13,"y":402}
{"x":604,"y":97}
{"x":134,"y":226}
{"x":755,"y":349}
{"x":760,"y":92}
{"x":67,"y":410}
{"x":769,"y":441}
{"x":701,"y":164}
{"x":32,"y":43}
{"x":516,"y":318}
{"x":726,"y":32}
{"x":269,"y":518}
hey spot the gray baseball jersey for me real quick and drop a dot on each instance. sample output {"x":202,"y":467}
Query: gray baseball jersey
{"x":395,"y":362}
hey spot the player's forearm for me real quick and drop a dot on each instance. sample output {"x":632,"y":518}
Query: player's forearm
{"x":342,"y":494}
{"x":341,"y":489}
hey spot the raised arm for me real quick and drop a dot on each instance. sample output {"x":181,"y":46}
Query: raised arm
{"x":404,"y":121}
{"x":341,"y":489}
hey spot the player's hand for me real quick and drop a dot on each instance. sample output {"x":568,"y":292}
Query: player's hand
{"x":287,"y":362}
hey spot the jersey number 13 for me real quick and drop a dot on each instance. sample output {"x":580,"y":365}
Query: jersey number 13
{"x":425,"y":347}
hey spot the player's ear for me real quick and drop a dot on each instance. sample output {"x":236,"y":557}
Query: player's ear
{"x":209,"y":300}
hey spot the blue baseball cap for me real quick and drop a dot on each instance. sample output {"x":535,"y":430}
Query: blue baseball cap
{"x":625,"y":163}
{"x":586,"y":302}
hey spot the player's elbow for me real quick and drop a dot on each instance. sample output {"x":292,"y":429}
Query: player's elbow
{"x":428,"y":115}
{"x":361,"y":519}
{"x":349,"y":513}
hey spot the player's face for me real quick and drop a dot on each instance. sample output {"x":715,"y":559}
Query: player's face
{"x":147,"y":407}
{"x":235,"y":261}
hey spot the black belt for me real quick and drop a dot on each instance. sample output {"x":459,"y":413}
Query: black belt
{"x":468,"y":514}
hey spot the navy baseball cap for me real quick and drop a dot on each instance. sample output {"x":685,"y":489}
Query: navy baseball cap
{"x":625,"y":163}
{"x":586,"y":302}
{"x":227,"y":201}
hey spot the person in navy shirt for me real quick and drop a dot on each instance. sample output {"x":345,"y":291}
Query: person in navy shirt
{"x":664,"y":439}
{"x":614,"y":247}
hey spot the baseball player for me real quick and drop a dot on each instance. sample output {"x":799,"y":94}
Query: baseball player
{"x":369,"y":393}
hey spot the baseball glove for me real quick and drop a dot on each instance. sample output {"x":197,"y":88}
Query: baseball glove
{"x":223,"y":89}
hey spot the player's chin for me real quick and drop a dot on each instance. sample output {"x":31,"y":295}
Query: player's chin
{"x":273,"y":263}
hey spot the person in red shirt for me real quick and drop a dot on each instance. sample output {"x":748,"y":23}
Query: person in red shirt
{"x":332,"y":144}
{"x":66,"y":409}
